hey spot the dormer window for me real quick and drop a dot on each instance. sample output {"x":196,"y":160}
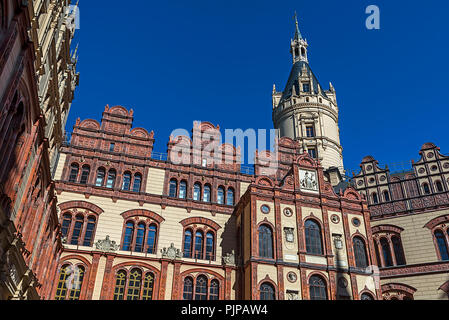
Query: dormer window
{"x":306,"y":87}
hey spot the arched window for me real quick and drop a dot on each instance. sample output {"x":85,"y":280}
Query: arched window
{"x":74,"y":168}
{"x":361,"y":260}
{"x":188,"y":289}
{"x":135,"y":281}
{"x":220,"y":195}
{"x":85,"y":174}
{"x":140,"y":234}
{"x":388,"y":260}
{"x":442,"y":245}
{"x":376,"y":249}
{"x":101,"y":172}
{"x":183,"y":189}
{"x":75,"y":291}
{"x":398,"y":252}
{"x":148,"y":284}
{"x":318,"y":288}
{"x":111,"y":179}
{"x":214,"y":290}
{"x":196,"y":192}
{"x":267,"y":291}
{"x":313,"y":237}
{"x":439,"y":186}
{"x":62,"y":292}
{"x":127,"y":240}
{"x":187,"y":244}
{"x":126,"y":181}
{"x":366,"y":296}
{"x":201,"y":288}
{"x":375,"y":198}
{"x":173,"y":188}
{"x":77,"y":229}
{"x":137,"y":182}
{"x":230,"y":197}
{"x":89,"y":234}
{"x":120,"y":283}
{"x":65,"y":226}
{"x":206,"y":193}
{"x":386,"y":196}
{"x":265,"y":242}
{"x":210,"y":246}
{"x":151,"y":239}
{"x":426,"y":188}
{"x":199,"y":245}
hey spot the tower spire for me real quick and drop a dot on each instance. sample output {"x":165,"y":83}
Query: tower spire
{"x":298,"y":35}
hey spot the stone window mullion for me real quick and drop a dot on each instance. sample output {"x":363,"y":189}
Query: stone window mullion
{"x":393,"y":254}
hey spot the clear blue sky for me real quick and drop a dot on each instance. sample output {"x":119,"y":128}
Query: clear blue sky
{"x":178,"y":61}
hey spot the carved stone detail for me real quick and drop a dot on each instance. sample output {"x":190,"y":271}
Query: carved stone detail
{"x":106,"y":245}
{"x":171,"y":252}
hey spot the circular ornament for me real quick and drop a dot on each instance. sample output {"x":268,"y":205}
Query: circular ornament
{"x":288,"y":212}
{"x":265,"y":209}
{"x":335,"y":218}
{"x":356,"y":222}
{"x":292,"y":277}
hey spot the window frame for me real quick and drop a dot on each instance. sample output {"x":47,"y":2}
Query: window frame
{"x":148,"y":223}
{"x":71,"y":226}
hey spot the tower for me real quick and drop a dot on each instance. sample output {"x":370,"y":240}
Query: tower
{"x":307,"y":113}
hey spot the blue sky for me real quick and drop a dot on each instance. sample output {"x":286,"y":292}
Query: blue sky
{"x":178,"y":61}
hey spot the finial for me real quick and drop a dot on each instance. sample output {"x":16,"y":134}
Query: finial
{"x":297,"y":32}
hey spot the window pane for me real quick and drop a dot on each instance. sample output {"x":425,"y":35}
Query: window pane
{"x":77,"y":230}
{"x":199,"y":245}
{"x":126,"y":181}
{"x":230,"y":197}
{"x":128,"y":236}
{"x":61,"y":290}
{"x":196,"y":192}
{"x":73,"y":172}
{"x":183,"y":190}
{"x":137,"y":182}
{"x":148,"y":287}
{"x":139,"y":237}
{"x":313,"y":237}
{"x":100,"y":177}
{"x":135,"y":279}
{"x":89,"y":232}
{"x":266,"y":292}
{"x":111,"y":179}
{"x":75,"y":291}
{"x":220,"y":195}
{"x":442,"y":246}
{"x":360,"y":253}
{"x":214,"y":290}
{"x":173,"y":188}
{"x":388,"y":260}
{"x":398,"y":252}
{"x":85,"y":174}
{"x":206,"y":194}
{"x":201,"y":288}
{"x":119,"y":291}
{"x":210,"y":246}
{"x":188,"y":244}
{"x":317,"y":287}
{"x":66,"y":224}
{"x":151,"y":239}
{"x":265,"y":242}
{"x":188,"y":289}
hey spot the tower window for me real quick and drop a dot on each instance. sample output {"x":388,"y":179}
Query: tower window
{"x":111,"y":147}
{"x":312,"y":152}
{"x":306,"y":87}
{"x":310,"y":131}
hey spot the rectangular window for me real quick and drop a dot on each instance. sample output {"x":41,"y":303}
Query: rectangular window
{"x":306,"y":87}
{"x":111,"y":147}
{"x":312,"y":152}
{"x":310,"y":131}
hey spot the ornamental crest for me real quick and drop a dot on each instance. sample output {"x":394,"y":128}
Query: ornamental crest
{"x":308,"y":180}
{"x":171,"y":252}
{"x":106,"y":245}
